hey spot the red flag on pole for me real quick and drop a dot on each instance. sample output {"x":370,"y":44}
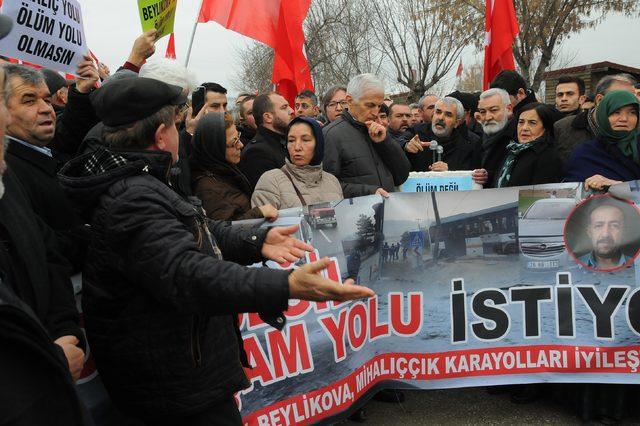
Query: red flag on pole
{"x":501,"y":28}
{"x":459,"y":71}
{"x":276,"y":23}
{"x":171,"y":48}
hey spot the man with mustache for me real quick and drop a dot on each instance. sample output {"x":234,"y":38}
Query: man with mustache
{"x":459,"y":152}
{"x":494,"y":113}
{"x":605,"y":231}
{"x":34,"y":154}
{"x":399,"y":120}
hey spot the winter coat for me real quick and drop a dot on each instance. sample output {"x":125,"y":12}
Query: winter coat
{"x":222,"y":197}
{"x":494,"y":151}
{"x":32,"y":265}
{"x":36,"y":386}
{"x":571,"y":132}
{"x":459,"y":152}
{"x":160,"y":305}
{"x":266,"y":152}
{"x":596,"y":157}
{"x":537,"y":165}
{"x":315,"y":185}
{"x":361,"y":165}
{"x":37,"y":173}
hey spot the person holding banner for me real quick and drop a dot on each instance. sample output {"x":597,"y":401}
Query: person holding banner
{"x":301,"y":181}
{"x":533,"y":159}
{"x":612,"y":157}
{"x":160,"y":302}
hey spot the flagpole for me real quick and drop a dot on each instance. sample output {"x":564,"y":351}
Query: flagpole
{"x":193,"y":36}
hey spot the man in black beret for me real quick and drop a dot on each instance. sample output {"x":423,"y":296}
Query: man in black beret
{"x":59,"y":90}
{"x":160,"y":303}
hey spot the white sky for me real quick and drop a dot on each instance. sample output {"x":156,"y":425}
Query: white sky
{"x":111,"y":26}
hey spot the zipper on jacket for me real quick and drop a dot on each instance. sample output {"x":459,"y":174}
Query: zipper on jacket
{"x":196,"y":353}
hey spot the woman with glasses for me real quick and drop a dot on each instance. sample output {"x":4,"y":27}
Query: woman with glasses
{"x":225,"y":192}
{"x":301,"y":181}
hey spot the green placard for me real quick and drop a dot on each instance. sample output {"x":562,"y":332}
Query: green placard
{"x":158,"y":14}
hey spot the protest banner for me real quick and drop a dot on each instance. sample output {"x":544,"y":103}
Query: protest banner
{"x":158,"y":14}
{"x":474,"y":288}
{"x":47,"y":33}
{"x":440,"y":181}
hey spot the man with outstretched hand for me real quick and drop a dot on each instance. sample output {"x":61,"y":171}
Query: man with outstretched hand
{"x":160,"y":301}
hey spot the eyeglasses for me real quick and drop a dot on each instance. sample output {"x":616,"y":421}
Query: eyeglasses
{"x":343,"y":104}
{"x":235,"y":142}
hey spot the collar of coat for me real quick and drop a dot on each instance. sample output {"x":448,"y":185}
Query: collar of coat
{"x":271,"y":136}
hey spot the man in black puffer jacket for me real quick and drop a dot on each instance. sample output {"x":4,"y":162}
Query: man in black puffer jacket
{"x":160,"y":304}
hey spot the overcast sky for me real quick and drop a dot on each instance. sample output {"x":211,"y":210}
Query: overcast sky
{"x":112,"y":26}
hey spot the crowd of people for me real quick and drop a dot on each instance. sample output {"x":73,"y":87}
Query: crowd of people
{"x":124,"y":179}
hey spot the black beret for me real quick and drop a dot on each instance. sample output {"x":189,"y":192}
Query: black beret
{"x":468,"y":100}
{"x":129,"y":100}
{"x":54,"y":80}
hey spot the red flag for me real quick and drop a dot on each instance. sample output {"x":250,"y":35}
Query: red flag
{"x":459,"y":71}
{"x":501,"y":27}
{"x":171,"y":48}
{"x":291,"y":71}
{"x":256,"y":19}
{"x":276,"y":23}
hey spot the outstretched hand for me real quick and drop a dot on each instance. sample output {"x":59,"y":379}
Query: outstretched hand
{"x":306,"y":283}
{"x":281,"y":246}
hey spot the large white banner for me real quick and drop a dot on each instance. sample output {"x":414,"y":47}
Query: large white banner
{"x":48,"y":33}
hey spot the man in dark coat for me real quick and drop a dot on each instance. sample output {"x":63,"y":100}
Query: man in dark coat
{"x":495,"y":116}
{"x":459,"y":153}
{"x":577,"y":129}
{"x":360,"y":152}
{"x":160,"y":304}
{"x":247,"y":124}
{"x":269,"y":149}
{"x":32,"y":131}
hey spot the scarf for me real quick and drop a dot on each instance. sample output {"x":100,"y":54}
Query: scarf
{"x":514,"y":149}
{"x":626,"y":141}
{"x":209,"y":144}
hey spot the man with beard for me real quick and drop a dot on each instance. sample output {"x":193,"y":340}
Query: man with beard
{"x":399,"y":120}
{"x":459,"y":152}
{"x":494,"y":112}
{"x":358,"y":150}
{"x":605,"y":232}
{"x":269,"y":148}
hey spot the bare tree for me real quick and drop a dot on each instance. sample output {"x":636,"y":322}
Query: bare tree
{"x":471,"y":80}
{"x":255,"y":68}
{"x":422,"y":39}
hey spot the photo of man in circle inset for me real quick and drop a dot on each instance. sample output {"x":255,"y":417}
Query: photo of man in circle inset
{"x":603,"y":233}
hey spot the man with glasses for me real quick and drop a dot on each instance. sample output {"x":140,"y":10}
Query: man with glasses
{"x":307,"y":104}
{"x":334,"y":102}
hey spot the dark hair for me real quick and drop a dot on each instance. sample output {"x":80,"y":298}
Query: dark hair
{"x":545,"y":113}
{"x":214,"y":87}
{"x":384,"y":109}
{"x":565,"y":79}
{"x":395,"y":105}
{"x":244,"y":101}
{"x":309,"y":95}
{"x":330,"y":94}
{"x":261,"y":105}
{"x":636,"y":86}
{"x":141,"y":134}
{"x":510,"y":81}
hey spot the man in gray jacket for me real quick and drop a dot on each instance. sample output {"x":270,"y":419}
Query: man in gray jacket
{"x":358,"y":151}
